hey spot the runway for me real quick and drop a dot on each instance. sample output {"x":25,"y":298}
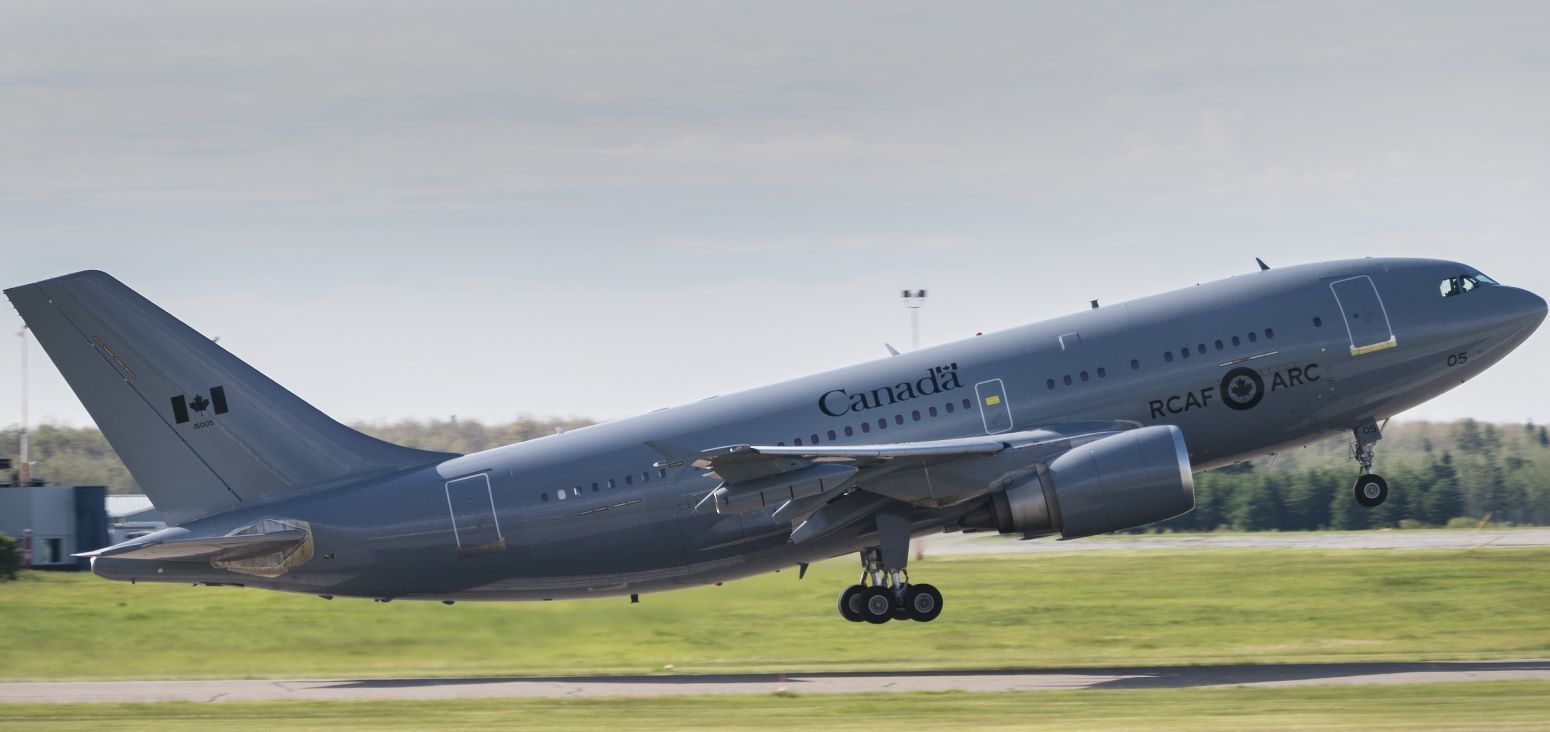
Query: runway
{"x":1148,"y":677}
{"x":948,"y":544}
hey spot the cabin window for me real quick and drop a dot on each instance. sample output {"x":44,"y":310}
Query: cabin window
{"x":576,"y":491}
{"x":866,"y":426}
{"x":596,"y":487}
{"x":1318,"y":322}
{"x":949,"y":407}
{"x":1068,"y":379}
{"x":815,"y":439}
{"x":544,"y":496}
{"x":797,"y":442}
{"x":967,"y":404}
{"x":645,"y":476}
{"x":1101,"y":372}
{"x":1184,"y":352}
{"x":611,"y":484}
{"x":932,"y":411}
{"x":915,"y":415}
{"x":629,"y":480}
{"x":662,"y":472}
{"x":832,"y":436}
{"x":1084,"y":376}
{"x":1270,"y":333}
{"x":1168,"y":356}
{"x":1253,"y":337}
{"x":1135,"y":365}
{"x":1047,"y":382}
{"x":560,"y":494}
{"x":898,"y":419}
{"x":849,"y":431}
{"x":1235,"y":341}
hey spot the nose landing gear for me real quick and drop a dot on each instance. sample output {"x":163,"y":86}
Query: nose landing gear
{"x":1370,"y":489}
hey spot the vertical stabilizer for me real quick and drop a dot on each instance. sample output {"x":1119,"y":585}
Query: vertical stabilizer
{"x":200,"y":431}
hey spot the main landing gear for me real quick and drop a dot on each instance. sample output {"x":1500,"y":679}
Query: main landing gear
{"x":1370,"y":489}
{"x":884,"y":595}
{"x":884,"y":592}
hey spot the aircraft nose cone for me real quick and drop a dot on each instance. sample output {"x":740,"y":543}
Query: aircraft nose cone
{"x":1531,"y":311}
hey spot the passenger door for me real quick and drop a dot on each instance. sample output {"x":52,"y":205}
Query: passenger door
{"x":473,"y":516}
{"x":1366,"y":321}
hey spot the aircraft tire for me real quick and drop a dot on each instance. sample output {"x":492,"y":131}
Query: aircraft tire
{"x":850,"y":603}
{"x":877,"y":605}
{"x":1371,"y":490}
{"x":923,"y":602}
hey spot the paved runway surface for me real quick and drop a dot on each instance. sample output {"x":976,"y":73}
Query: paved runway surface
{"x":818,"y":683}
{"x":1409,"y":539}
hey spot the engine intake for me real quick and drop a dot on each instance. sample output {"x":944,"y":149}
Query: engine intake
{"x":1122,"y":481}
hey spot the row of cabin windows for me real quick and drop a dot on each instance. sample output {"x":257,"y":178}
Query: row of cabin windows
{"x":597,"y":487}
{"x":1102,"y":372}
{"x":1200,"y":348}
{"x":882,"y":423}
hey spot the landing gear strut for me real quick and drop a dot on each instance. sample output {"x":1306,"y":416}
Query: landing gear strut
{"x":884,"y":592}
{"x":1370,"y":489}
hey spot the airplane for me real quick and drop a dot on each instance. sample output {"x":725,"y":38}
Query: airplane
{"x":1085,"y":424}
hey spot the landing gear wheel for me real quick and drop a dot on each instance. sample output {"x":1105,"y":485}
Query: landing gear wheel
{"x":1371,"y":490}
{"x":923,"y":602}
{"x":877,"y":605}
{"x":850,"y":603}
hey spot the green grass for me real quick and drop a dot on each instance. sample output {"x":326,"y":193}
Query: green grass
{"x":1081,"y":609}
{"x":1471,"y":706}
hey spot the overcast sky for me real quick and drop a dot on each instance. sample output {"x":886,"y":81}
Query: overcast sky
{"x":597,"y":209}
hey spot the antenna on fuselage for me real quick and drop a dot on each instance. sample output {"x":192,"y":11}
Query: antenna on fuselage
{"x":1262,"y":265}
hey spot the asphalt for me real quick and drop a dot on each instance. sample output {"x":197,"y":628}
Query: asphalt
{"x":947,"y":544}
{"x":1144,"y":677}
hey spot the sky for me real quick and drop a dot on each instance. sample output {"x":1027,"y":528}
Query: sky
{"x":418,"y":210}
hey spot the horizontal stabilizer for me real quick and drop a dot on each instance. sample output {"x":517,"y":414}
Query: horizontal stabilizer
{"x":175,"y":547}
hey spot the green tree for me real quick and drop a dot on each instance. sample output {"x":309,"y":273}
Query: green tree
{"x":10,"y":557}
{"x":1254,"y":505}
{"x":1443,"y":499}
{"x":1346,"y":514}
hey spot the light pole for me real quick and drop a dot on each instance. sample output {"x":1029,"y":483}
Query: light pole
{"x":24,"y":471}
{"x":914,"y":300}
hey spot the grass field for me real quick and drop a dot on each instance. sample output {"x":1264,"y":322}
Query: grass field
{"x":1088,"y":609}
{"x":1472,"y":706}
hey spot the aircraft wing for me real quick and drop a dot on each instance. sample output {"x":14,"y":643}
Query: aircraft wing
{"x":798,"y":480}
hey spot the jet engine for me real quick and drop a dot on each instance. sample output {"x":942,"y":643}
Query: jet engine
{"x":1122,"y":481}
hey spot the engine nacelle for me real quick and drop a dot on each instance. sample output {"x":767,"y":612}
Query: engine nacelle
{"x":1122,"y":481}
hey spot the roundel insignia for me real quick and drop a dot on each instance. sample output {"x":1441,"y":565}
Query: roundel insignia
{"x":1242,"y":388}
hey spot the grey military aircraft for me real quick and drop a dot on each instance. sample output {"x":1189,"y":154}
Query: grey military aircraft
{"x":1081,"y":425}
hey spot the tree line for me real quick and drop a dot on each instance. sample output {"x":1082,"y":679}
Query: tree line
{"x":1438,"y":472}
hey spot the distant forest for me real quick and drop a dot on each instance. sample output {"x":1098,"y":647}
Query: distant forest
{"x":1439,"y":473}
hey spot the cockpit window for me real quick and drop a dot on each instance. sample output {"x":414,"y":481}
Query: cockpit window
{"x":1463,"y":283}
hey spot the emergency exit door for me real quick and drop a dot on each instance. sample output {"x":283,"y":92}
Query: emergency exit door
{"x":473,"y":516}
{"x":994,"y":409}
{"x":1366,"y":321}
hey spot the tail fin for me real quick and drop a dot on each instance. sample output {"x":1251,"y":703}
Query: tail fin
{"x":201,"y":431}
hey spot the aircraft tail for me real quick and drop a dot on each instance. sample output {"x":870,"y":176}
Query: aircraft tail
{"x":200,"y":431}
